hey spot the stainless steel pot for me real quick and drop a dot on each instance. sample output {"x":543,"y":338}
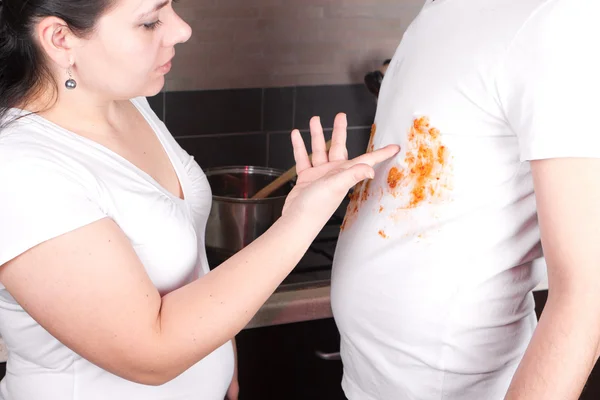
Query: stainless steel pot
{"x":235,"y":220}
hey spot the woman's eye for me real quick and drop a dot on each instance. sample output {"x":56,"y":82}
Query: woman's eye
{"x":152,"y":25}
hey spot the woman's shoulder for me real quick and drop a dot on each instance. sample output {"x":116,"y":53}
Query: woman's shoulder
{"x":30,"y":155}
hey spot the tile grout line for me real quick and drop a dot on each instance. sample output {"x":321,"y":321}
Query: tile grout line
{"x":279,"y":132}
{"x":262,"y":109}
{"x":262,"y":124}
{"x":268,"y":155}
{"x":294,"y":107}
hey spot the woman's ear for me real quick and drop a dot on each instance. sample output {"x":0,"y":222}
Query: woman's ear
{"x":57,"y":41}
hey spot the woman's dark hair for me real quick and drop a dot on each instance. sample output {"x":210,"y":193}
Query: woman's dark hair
{"x":24,"y":70}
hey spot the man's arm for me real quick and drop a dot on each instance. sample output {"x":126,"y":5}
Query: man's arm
{"x":565,"y":345}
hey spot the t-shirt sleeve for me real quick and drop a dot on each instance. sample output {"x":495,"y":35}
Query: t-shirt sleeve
{"x":549,"y":82}
{"x":41,"y":200}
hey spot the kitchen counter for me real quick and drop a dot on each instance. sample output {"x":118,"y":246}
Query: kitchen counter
{"x":304,"y":303}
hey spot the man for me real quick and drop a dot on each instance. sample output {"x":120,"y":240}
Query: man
{"x":492,"y":101}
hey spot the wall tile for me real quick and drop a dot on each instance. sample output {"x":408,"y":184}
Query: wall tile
{"x":326,"y":101}
{"x":225,"y":150}
{"x":213,"y":111}
{"x":276,"y":43}
{"x":278,"y":110}
{"x":281,"y":154}
{"x":199,"y":122}
{"x":157,"y":104}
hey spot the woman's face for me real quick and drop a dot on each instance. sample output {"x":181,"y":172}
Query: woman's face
{"x":131,"y":49}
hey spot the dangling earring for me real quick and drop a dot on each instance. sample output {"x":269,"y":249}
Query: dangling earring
{"x":70,"y":83}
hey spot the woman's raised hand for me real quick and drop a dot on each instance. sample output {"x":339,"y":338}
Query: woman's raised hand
{"x":324,"y":181}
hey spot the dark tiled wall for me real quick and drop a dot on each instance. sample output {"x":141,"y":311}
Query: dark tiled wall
{"x":276,"y":43}
{"x":252,"y":126}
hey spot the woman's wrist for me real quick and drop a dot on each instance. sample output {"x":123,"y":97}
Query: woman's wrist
{"x":303,"y":225}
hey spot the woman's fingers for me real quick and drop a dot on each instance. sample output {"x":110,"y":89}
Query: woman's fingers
{"x":344,"y":179}
{"x":300,"y":153}
{"x":319,"y":147}
{"x":377,"y":156}
{"x":360,"y":168}
{"x":338,"y":150}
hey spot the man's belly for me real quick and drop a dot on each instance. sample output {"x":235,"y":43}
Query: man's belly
{"x":408,"y":323}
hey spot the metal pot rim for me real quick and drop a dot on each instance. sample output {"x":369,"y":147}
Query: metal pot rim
{"x":245,"y":168}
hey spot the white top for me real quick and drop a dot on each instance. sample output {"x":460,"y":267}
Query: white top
{"x":433,"y":271}
{"x":53,"y":181}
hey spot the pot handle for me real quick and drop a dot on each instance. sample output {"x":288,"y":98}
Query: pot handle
{"x":328,"y":356}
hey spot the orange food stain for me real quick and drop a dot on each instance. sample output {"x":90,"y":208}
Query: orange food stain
{"x":382,"y":234}
{"x":358,"y":196}
{"x":361,"y":190}
{"x":424,"y":165}
{"x":394,"y":177}
{"x":365,"y":193}
{"x":419,"y":177}
{"x":441,"y":154}
{"x":421,"y":124}
{"x":371,"y":145}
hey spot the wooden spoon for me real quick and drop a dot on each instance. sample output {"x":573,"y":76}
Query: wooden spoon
{"x":281,"y":180}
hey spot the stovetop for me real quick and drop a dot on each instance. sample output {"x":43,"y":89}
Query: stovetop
{"x":314,"y":269}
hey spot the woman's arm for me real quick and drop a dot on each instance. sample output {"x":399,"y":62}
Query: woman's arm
{"x":565,"y":345}
{"x":89,"y":289}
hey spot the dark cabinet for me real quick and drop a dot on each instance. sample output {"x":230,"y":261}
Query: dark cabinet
{"x":280,"y":362}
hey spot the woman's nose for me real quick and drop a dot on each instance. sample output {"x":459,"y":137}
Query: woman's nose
{"x":180,"y":32}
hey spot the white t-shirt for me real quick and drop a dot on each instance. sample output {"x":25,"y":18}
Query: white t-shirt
{"x":53,"y":181}
{"x":433,"y":271}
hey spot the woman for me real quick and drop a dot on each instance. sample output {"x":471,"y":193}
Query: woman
{"x":106,"y":292}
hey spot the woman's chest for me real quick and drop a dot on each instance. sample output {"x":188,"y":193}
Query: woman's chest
{"x":165,"y":231}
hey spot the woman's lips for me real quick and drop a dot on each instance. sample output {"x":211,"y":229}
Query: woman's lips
{"x":165,"y":68}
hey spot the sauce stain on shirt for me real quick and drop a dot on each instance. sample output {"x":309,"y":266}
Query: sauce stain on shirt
{"x":360,"y":193}
{"x":371,"y":145}
{"x":423,"y":177}
{"x":394,"y":177}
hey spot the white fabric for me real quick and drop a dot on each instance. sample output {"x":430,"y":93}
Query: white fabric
{"x":433,"y":300}
{"x":53,"y":181}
